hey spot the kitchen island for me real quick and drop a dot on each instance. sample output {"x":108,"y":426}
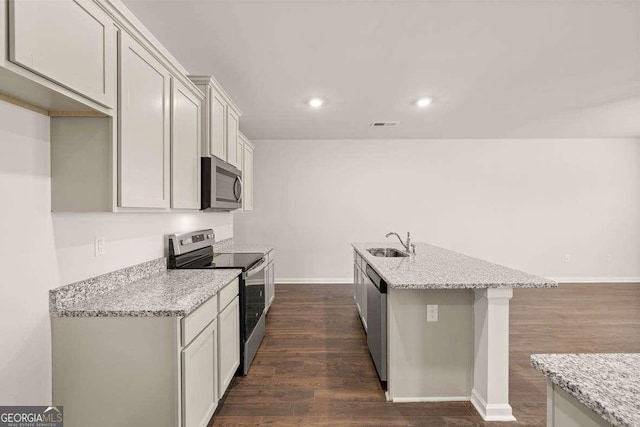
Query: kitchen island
{"x":591,"y":389}
{"x":446,"y":318}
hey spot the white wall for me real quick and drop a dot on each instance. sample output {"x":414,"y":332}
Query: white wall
{"x":27,"y":257}
{"x":40,"y":251}
{"x":130,"y":238}
{"x":521,"y":203}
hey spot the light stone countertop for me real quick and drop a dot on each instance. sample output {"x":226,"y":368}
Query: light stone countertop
{"x":608,"y":384}
{"x":146,"y":289}
{"x":230,"y":247}
{"x":437,"y":268}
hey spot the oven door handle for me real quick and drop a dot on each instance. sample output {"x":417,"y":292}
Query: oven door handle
{"x":256,"y":269}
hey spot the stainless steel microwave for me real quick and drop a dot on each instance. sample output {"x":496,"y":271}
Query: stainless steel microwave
{"x":221,"y":185}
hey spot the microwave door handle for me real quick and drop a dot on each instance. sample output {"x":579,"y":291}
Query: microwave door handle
{"x":237,"y":189}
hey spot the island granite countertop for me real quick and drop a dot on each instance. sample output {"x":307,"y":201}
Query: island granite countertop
{"x":438,"y":268}
{"x":146,"y":289}
{"x":608,"y":384}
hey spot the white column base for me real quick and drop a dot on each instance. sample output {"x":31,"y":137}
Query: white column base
{"x":490,"y":394}
{"x":495,"y":412}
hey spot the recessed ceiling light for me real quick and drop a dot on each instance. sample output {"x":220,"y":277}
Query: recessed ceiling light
{"x":423,"y":102}
{"x":316,"y":102}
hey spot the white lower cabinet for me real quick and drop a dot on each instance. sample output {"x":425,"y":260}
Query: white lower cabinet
{"x":200,"y":378}
{"x":360,"y":289}
{"x":153,"y":371}
{"x":229,"y":339}
{"x":270,"y":283}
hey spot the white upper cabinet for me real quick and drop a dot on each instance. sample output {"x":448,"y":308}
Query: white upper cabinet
{"x":220,"y":122}
{"x":232,"y":137}
{"x":185,"y":147}
{"x":247,"y":173}
{"x":218,"y":126}
{"x":240,"y":155}
{"x":68,"y":42}
{"x":144,"y":143}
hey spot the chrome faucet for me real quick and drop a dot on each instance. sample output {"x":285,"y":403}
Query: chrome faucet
{"x":408,"y":247}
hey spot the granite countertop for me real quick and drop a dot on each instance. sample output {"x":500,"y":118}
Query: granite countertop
{"x":608,"y":384}
{"x":147,"y":289}
{"x":438,"y":268}
{"x":229,"y":246}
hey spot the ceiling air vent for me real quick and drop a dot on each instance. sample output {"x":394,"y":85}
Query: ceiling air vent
{"x":384,"y":124}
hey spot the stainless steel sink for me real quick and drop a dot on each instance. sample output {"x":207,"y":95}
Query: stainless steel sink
{"x":387,"y":252}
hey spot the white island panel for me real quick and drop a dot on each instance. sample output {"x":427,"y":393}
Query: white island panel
{"x":430,"y":361}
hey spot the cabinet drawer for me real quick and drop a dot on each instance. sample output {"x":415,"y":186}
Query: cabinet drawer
{"x":195,"y":322}
{"x":227,"y":294}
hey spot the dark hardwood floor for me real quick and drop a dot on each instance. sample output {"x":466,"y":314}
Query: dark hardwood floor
{"x":313,"y":367}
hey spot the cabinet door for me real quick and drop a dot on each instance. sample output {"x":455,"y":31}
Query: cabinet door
{"x":71,"y":43}
{"x":356,"y":278}
{"x":266,"y":286}
{"x":247,"y":178}
{"x":229,"y":343}
{"x":232,"y":137}
{"x":359,"y":290}
{"x":272,"y":283}
{"x":200,"y":378}
{"x":185,"y":148}
{"x":218,"y":123}
{"x":240,"y":155}
{"x":144,"y":128}
{"x":363,"y":299}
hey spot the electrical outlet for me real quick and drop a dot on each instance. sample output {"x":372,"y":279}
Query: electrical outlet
{"x":567,"y":258}
{"x":100,"y":245}
{"x":432,"y":313}
{"x":609,"y":257}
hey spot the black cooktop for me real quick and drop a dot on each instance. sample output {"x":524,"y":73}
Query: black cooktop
{"x":244,"y":261}
{"x":209,"y":260}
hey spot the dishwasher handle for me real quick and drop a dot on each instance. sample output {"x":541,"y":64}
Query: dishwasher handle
{"x":377,"y":281}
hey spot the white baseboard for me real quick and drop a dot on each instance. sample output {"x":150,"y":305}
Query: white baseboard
{"x":430,"y":399}
{"x":597,"y":280}
{"x":491,"y":412}
{"x":308,"y":281}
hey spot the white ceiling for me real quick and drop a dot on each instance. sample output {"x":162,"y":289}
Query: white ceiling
{"x":495,"y":69}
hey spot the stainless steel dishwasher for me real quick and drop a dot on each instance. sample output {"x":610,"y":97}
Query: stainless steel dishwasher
{"x":377,"y":321}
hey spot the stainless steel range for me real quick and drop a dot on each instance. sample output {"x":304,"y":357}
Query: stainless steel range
{"x":194,"y":250}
